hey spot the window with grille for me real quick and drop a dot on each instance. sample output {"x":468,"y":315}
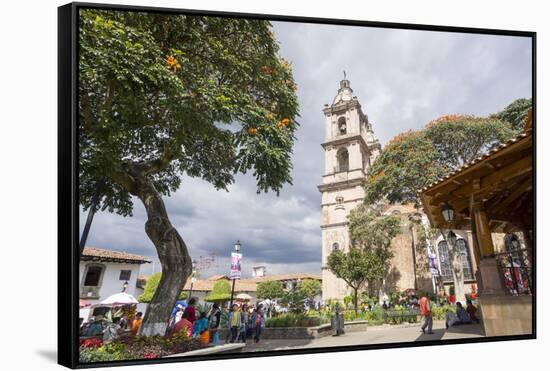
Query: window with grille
{"x":466,"y":258}
{"x":93,"y":275}
{"x":125,"y":275}
{"x":445,"y":261}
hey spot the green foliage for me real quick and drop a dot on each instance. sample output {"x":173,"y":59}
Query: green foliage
{"x":294,"y":300}
{"x":310,"y":289}
{"x":151,"y":287}
{"x":415,"y":159}
{"x":203,"y":308}
{"x":270,"y":290}
{"x":369,"y":257}
{"x":367,"y":299}
{"x":438,"y":312}
{"x":220,"y":292}
{"x":163,"y":95}
{"x":461,"y":139}
{"x":407,"y":163}
{"x":293,"y":320}
{"x":331,"y":304}
{"x":104,"y":353}
{"x":515,"y":113}
{"x":400,"y":315}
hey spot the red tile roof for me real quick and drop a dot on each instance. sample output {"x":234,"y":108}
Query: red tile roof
{"x":93,"y":253}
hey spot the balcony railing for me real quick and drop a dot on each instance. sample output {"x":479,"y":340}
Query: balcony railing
{"x":516,"y":273}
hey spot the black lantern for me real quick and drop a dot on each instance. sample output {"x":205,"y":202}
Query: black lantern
{"x":238,"y":246}
{"x":448,"y":212}
{"x":451,"y":237}
{"x":124,"y":286}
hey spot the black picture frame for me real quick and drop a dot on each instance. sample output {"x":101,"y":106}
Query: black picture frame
{"x":68,"y":205}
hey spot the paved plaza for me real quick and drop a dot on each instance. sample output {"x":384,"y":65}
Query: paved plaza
{"x":374,"y":335}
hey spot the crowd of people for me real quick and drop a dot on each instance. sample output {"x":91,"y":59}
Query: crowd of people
{"x":111,"y":324}
{"x":245,"y":321}
{"x":461,"y":316}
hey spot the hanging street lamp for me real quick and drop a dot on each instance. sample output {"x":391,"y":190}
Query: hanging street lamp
{"x":448,"y":212}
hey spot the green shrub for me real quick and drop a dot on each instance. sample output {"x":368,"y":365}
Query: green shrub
{"x":438,"y":312}
{"x":293,"y":320}
{"x":151,"y":287}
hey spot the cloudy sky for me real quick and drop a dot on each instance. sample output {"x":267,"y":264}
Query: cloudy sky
{"x":403,"y":79}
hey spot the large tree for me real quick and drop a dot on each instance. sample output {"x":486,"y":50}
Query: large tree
{"x":408,"y":162}
{"x":413,"y":160}
{"x":515,"y":113}
{"x":270,"y":290}
{"x":221,"y":292}
{"x":460,"y":139}
{"x":161,"y":96}
{"x":373,"y":232}
{"x":310,"y":288}
{"x":355,"y":266}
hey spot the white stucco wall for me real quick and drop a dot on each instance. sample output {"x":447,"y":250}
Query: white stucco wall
{"x":111,"y":283}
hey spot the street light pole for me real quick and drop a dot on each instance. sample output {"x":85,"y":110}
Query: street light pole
{"x":91,"y":213}
{"x":232,"y":293}
{"x":236,"y":250}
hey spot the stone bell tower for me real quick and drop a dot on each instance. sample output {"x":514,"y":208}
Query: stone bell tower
{"x":350,"y":147}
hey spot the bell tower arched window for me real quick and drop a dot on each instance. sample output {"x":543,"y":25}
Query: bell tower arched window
{"x":342,"y":127}
{"x":343,"y":160}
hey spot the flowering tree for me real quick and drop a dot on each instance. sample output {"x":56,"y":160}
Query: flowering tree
{"x":415,"y":159}
{"x":162,"y":96}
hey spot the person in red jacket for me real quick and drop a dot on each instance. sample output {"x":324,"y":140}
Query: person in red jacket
{"x":426,"y":311}
{"x":190,"y":313}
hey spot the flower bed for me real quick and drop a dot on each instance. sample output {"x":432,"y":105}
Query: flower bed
{"x":136,"y":347}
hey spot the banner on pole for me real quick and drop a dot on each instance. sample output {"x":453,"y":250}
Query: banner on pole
{"x":433,"y":264}
{"x":235,"y":273}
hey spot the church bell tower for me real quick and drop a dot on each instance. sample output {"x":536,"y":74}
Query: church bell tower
{"x":350,"y":147}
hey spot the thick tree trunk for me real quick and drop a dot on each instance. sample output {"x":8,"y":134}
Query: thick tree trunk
{"x":174,"y":259}
{"x":457,"y":270}
{"x":355,"y":300}
{"x":458,"y":275}
{"x":172,"y":251}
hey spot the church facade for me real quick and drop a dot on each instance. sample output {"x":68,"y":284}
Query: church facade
{"x":350,"y":147}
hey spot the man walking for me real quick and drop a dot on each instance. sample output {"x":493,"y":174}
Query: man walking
{"x":426,"y":311}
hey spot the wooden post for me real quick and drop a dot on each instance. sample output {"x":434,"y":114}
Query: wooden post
{"x":483,"y":232}
{"x":488,"y":276}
